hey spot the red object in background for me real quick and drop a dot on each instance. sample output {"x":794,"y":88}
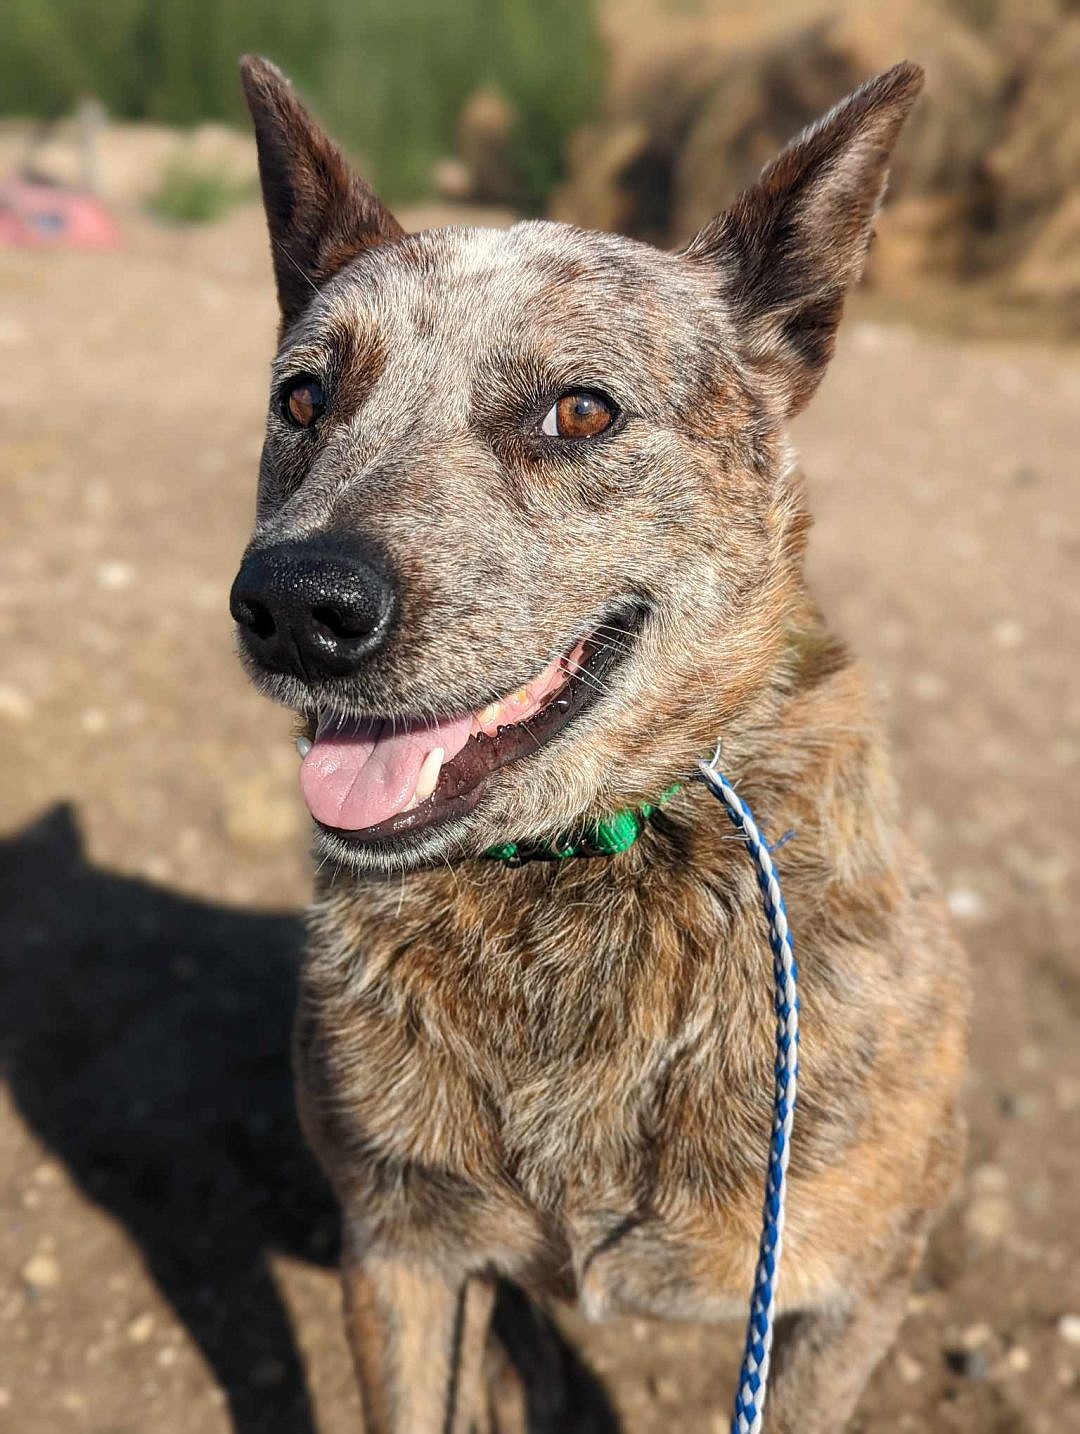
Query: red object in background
{"x":42,"y":216}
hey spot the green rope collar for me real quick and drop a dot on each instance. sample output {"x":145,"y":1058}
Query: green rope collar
{"x":607,"y":837}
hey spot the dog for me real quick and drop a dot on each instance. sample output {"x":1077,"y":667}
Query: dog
{"x":529,"y":540}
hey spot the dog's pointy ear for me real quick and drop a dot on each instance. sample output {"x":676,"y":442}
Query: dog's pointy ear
{"x":320,"y":214}
{"x":787,"y":250}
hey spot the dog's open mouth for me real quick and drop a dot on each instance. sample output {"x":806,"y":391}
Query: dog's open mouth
{"x":370,"y":780}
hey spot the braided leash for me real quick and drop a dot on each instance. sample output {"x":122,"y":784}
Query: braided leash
{"x":754,"y":1374}
{"x":616,"y":834}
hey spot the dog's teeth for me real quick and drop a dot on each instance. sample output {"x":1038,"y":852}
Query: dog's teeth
{"x":303,"y":745}
{"x":488,"y":719}
{"x":428,"y":779}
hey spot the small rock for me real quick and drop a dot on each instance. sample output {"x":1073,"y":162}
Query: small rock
{"x":94,"y":721}
{"x":14,"y":704}
{"x":48,"y":1173}
{"x":908,"y":1368}
{"x":969,"y":1363}
{"x":5,"y":1398}
{"x":976,"y":1335}
{"x":988,"y":1218}
{"x":1017,"y":1360}
{"x":1015,"y":1106}
{"x":141,"y":1328}
{"x":966,"y":904}
{"x":928,"y":687}
{"x":1068,"y":1327}
{"x":168,"y":1355}
{"x":1009,"y":634}
{"x":989,"y":1180}
{"x":114,"y":576}
{"x":42,"y":1271}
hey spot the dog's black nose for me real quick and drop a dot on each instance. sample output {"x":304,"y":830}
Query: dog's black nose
{"x":312,"y":610}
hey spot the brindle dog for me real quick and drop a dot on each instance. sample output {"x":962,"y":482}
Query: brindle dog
{"x":529,"y":541}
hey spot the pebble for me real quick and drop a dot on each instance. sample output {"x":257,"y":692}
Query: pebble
{"x":1017,"y":1361}
{"x":988,"y":1218}
{"x":928,"y":687}
{"x":15,"y":704}
{"x":966,"y":904}
{"x":1008,"y":633}
{"x":970,"y":1363}
{"x":115,"y":576}
{"x":989,"y":1179}
{"x":42,"y":1271}
{"x":141,"y":1328}
{"x":1068,"y":1327}
{"x":908,"y":1368}
{"x":976,"y":1335}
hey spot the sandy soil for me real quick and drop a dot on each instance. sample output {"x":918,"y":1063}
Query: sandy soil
{"x":165,"y":1245}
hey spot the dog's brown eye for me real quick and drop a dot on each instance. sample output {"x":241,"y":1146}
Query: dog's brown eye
{"x":578,"y":415}
{"x":303,"y":401}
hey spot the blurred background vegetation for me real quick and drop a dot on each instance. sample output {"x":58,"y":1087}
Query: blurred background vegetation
{"x":389,"y":76}
{"x":639,"y":116}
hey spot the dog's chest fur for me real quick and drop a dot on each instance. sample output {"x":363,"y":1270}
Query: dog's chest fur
{"x":565,"y":1072}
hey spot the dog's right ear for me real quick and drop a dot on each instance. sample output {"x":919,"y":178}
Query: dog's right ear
{"x":320,"y":214}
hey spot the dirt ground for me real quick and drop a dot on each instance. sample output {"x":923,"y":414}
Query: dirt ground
{"x":165,"y":1245}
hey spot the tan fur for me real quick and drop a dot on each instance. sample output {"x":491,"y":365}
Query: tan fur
{"x":562,"y":1075}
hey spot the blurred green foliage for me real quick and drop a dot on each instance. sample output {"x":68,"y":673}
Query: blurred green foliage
{"x":389,"y":77}
{"x":196,"y":194}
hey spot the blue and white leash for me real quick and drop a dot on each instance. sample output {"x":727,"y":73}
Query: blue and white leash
{"x":753,"y":1383}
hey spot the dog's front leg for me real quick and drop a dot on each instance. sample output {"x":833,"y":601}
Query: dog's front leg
{"x":418,"y":1341}
{"x":823,"y":1358}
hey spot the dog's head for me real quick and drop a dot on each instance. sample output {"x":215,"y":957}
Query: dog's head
{"x":527,"y":536}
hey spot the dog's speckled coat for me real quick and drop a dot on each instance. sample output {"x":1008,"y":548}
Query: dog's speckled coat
{"x":562,"y":1075}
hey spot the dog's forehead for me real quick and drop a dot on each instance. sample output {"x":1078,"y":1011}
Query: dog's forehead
{"x":471,"y":289}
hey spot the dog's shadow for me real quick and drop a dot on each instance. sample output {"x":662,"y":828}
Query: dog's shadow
{"x":145,"y":1037}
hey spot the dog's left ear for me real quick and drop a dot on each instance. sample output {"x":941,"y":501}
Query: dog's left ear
{"x":789,"y":247}
{"x":320,"y":214}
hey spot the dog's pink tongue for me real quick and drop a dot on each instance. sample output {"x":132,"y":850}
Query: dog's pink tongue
{"x":360,"y":773}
